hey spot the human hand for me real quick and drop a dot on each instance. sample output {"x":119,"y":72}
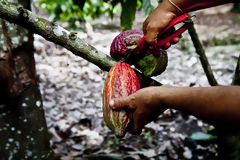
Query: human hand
{"x":157,"y":21}
{"x":145,"y":105}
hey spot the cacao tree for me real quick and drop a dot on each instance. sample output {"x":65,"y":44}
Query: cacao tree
{"x":69,"y":40}
{"x":23,"y":131}
{"x":74,"y":11}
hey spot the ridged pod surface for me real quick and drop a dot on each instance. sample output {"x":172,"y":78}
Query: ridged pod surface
{"x":124,"y":43}
{"x":121,"y":81}
{"x":123,"y":48}
{"x":151,"y":65}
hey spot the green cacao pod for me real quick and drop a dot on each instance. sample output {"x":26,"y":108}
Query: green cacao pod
{"x":151,"y":65}
{"x":123,"y":48}
{"x":121,"y":81}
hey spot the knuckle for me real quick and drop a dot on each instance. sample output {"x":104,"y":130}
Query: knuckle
{"x":132,"y":102}
{"x":152,"y":27}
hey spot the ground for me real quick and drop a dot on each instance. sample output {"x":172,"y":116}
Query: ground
{"x":72,"y":88}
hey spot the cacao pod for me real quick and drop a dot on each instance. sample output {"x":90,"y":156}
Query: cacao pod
{"x":151,"y":65}
{"x":124,"y":43}
{"x":121,"y":81}
{"x":123,"y":46}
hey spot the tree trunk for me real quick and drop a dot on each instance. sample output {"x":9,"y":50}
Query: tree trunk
{"x":23,"y":131}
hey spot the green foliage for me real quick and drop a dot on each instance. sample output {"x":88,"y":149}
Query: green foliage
{"x":73,"y":11}
{"x":202,"y":136}
{"x":185,"y":43}
{"x":128,"y":13}
{"x":229,"y":40}
{"x":210,"y":135}
{"x":149,"y":138}
{"x":115,"y":142}
{"x":149,"y":6}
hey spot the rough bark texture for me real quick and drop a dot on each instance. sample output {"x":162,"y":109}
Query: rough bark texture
{"x":59,"y":35}
{"x":56,"y":34}
{"x":23,"y":131}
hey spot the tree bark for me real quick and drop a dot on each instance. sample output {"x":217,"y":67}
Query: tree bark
{"x":23,"y":131}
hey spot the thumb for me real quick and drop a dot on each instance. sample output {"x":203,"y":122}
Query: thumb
{"x":120,"y":103}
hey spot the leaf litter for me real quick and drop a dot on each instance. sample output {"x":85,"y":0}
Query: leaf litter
{"x":71,"y":90}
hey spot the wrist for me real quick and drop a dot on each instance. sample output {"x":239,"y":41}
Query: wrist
{"x":174,"y":97}
{"x":164,"y":95}
{"x":170,"y":7}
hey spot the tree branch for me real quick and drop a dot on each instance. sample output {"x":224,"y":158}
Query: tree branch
{"x":58,"y":35}
{"x":202,"y":56}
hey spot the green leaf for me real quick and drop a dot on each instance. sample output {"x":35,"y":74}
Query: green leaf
{"x":129,"y":8}
{"x":149,"y":6}
{"x":202,"y":136}
{"x":211,"y":128}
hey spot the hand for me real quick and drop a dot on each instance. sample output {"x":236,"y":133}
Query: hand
{"x":158,"y":20}
{"x":145,"y":105}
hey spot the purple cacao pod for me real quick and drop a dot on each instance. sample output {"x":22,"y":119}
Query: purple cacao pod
{"x":124,"y":43}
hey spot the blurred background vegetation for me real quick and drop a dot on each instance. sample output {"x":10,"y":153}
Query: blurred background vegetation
{"x":73,"y":11}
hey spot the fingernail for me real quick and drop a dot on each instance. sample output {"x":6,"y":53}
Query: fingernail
{"x":111,"y":103}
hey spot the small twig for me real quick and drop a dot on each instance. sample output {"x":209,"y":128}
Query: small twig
{"x":202,"y":56}
{"x":236,"y":77}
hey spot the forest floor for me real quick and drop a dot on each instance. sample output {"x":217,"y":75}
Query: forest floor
{"x":72,"y":87}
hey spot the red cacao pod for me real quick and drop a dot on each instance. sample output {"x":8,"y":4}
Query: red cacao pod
{"x":121,"y":81}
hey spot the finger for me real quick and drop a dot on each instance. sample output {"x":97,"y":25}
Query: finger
{"x":175,"y":40}
{"x":120,"y":103}
{"x":151,"y":33}
{"x":138,"y":124}
{"x":144,"y":28}
{"x":167,"y":45}
{"x":136,"y":130}
{"x":151,"y":36}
